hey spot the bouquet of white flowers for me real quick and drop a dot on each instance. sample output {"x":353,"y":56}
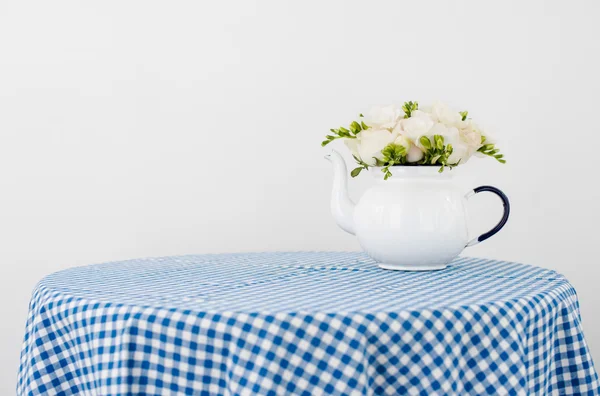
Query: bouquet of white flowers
{"x":409,"y":135}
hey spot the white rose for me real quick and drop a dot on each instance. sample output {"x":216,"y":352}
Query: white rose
{"x":383,"y":116}
{"x":441,"y":113}
{"x":416,"y":126}
{"x":371,"y":142}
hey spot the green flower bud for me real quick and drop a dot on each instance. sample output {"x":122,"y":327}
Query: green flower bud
{"x":439,"y":141}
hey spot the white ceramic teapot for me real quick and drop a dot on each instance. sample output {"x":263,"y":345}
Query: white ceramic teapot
{"x":415,"y":220}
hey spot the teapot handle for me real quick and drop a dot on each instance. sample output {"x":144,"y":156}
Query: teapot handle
{"x":502,"y":222}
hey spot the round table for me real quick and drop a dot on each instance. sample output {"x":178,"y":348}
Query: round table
{"x":303,"y":323}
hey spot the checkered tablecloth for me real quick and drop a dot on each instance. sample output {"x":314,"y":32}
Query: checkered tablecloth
{"x":303,"y":324}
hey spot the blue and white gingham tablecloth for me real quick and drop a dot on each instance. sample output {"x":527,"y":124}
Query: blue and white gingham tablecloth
{"x":304,"y":324}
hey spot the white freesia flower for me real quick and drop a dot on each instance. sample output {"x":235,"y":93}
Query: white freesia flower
{"x":441,"y":113}
{"x":469,"y":124}
{"x":371,"y":142}
{"x":460,"y":149}
{"x":352,"y":145}
{"x":403,"y":141}
{"x":398,"y":128}
{"x":416,"y":126}
{"x":489,"y":139}
{"x":386,"y":124}
{"x":435,"y":129}
{"x":441,"y":129}
{"x":415,"y":154}
{"x":383,"y":116}
{"x":451,"y":135}
{"x":471,"y":134}
{"x":472,"y":139}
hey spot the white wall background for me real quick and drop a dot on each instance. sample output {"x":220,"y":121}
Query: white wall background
{"x":146,"y":128}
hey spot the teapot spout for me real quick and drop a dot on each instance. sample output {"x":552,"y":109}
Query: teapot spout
{"x":342,"y":207}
